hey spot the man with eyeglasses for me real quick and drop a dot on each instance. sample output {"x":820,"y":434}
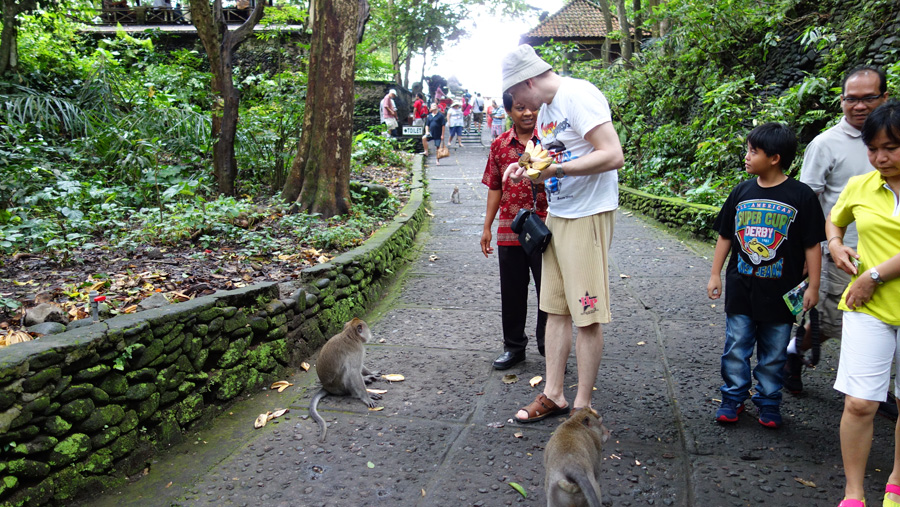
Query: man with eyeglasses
{"x":829,"y":161}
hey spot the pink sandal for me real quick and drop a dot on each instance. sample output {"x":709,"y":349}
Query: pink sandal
{"x":850,"y":502}
{"x":891,"y":488}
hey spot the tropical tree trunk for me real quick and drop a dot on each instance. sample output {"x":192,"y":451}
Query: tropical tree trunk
{"x":607,"y":20}
{"x":220,"y":44}
{"x":625,"y":41}
{"x":395,"y":52}
{"x":638,"y":30}
{"x":320,"y":176}
{"x":9,"y":55}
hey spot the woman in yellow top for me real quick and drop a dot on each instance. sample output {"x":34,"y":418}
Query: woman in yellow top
{"x":871,"y":303}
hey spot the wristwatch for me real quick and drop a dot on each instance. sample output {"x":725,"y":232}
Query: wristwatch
{"x":875,"y":276}
{"x":559,"y":171}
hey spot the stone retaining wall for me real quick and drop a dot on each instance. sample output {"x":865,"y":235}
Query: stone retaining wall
{"x":677,"y":213}
{"x":82,"y":409}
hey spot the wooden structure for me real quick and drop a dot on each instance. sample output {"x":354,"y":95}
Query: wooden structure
{"x":581,"y":22}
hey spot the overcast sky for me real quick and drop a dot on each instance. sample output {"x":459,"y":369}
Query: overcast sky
{"x":475,"y":61}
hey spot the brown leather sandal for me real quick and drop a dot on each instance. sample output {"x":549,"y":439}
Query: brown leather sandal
{"x":541,"y":408}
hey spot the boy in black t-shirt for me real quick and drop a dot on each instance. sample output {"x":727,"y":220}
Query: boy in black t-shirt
{"x":772,"y":225}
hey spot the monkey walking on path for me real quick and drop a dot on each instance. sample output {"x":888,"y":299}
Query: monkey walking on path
{"x":572,"y":461}
{"x":340,"y":368}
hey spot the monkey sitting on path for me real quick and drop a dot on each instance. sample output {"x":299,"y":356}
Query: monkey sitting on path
{"x":341,"y":370}
{"x":572,"y":461}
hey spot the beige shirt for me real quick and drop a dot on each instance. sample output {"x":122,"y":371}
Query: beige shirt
{"x":830,"y":160}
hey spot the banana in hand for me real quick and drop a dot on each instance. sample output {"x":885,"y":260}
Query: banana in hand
{"x":534,"y":160}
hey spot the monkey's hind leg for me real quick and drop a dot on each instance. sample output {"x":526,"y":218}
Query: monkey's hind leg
{"x":369,"y":376}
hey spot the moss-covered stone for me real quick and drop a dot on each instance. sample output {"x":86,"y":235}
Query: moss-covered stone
{"x":143,"y":375}
{"x":92,"y":372}
{"x":40,"y":443}
{"x":215,"y":327}
{"x":45,"y":359}
{"x":163,"y":328}
{"x":98,"y":462}
{"x":6,"y":400}
{"x":200,"y":361}
{"x":103,"y":417}
{"x":69,"y":450}
{"x":239,"y":320}
{"x":57,"y":426}
{"x":201,"y":330}
{"x":37,"y":381}
{"x":255,"y":378}
{"x":185,"y":365}
{"x":230,"y":383}
{"x":174,"y":342}
{"x":23,"y":419}
{"x":229,"y":311}
{"x":103,"y":438}
{"x":147,"y":407}
{"x":234,"y":353}
{"x":168,"y":397}
{"x":75,"y":392}
{"x":21,"y":434}
{"x":99,"y":395}
{"x":114,"y":384}
{"x":220,"y":344}
{"x":28,"y":468}
{"x":39,"y":404}
{"x":123,"y":445}
{"x":189,"y":409}
{"x":261,"y":358}
{"x":241,"y":332}
{"x":277,"y":333}
{"x":8,"y":483}
{"x":129,"y":422}
{"x":149,"y":354}
{"x":186,"y":388}
{"x":77,"y":410}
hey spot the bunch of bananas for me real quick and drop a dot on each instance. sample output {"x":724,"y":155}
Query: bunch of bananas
{"x":534,"y":160}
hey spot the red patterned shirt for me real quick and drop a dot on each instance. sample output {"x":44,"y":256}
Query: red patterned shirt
{"x":505,"y":150}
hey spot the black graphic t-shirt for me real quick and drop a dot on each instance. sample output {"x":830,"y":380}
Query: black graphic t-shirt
{"x":770,"y":230}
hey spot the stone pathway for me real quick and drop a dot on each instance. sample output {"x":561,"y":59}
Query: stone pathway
{"x":437,"y":441}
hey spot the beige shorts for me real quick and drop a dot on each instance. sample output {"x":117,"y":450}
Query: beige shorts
{"x":574,"y":276}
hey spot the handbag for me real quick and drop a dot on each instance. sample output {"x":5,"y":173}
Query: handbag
{"x":534,"y":236}
{"x":443,"y":151}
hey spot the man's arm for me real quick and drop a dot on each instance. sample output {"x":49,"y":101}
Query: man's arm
{"x":607,"y":155}
{"x":493,"y":204}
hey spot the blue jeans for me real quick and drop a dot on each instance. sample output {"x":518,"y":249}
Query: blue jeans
{"x":770,"y":339}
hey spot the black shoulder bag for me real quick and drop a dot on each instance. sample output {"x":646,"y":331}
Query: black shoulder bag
{"x":533,"y":232}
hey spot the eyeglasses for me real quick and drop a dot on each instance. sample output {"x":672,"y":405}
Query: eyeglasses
{"x":852,"y":101}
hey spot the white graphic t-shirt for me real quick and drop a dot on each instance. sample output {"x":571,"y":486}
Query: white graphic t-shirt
{"x":576,"y":109}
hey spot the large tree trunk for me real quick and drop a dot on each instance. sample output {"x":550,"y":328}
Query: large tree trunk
{"x":607,"y":20}
{"x":638,"y":30}
{"x":320,"y":175}
{"x":9,"y":55}
{"x":625,"y":41}
{"x":395,"y":52}
{"x":220,"y":45}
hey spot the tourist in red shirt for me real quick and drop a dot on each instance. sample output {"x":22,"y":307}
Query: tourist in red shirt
{"x":515,"y":264}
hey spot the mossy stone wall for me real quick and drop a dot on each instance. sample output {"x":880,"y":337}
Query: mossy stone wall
{"x":676,"y":213}
{"x":81,"y":410}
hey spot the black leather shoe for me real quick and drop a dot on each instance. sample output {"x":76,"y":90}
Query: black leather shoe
{"x":508,"y":359}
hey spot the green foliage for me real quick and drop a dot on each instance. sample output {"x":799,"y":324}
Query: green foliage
{"x":371,"y":148}
{"x":683,"y":110}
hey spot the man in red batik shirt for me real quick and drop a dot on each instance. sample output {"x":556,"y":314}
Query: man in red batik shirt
{"x":515,"y":264}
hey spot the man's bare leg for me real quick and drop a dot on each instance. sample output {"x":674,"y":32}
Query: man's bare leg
{"x":557,"y":345}
{"x":588,"y":352}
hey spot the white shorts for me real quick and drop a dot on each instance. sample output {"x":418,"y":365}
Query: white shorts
{"x":868,"y":348}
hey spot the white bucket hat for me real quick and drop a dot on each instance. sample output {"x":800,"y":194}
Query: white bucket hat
{"x":521,"y":64}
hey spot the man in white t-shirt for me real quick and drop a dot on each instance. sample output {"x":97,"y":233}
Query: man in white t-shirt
{"x":477,"y":104}
{"x":575,"y":125}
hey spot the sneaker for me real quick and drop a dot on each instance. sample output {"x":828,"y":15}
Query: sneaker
{"x":770,"y":416}
{"x":792,"y":370}
{"x":728,"y":412}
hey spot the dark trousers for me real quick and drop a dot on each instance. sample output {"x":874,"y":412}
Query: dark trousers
{"x":514,"y":278}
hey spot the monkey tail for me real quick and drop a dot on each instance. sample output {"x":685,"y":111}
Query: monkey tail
{"x":315,"y":413}
{"x":591,"y":493}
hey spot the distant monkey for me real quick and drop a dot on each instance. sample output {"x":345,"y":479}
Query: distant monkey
{"x":341,"y":370}
{"x":572,"y":461}
{"x":454,"y":197}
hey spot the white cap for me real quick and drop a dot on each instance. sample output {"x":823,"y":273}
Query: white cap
{"x":521,"y":64}
{"x":392,"y":92}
